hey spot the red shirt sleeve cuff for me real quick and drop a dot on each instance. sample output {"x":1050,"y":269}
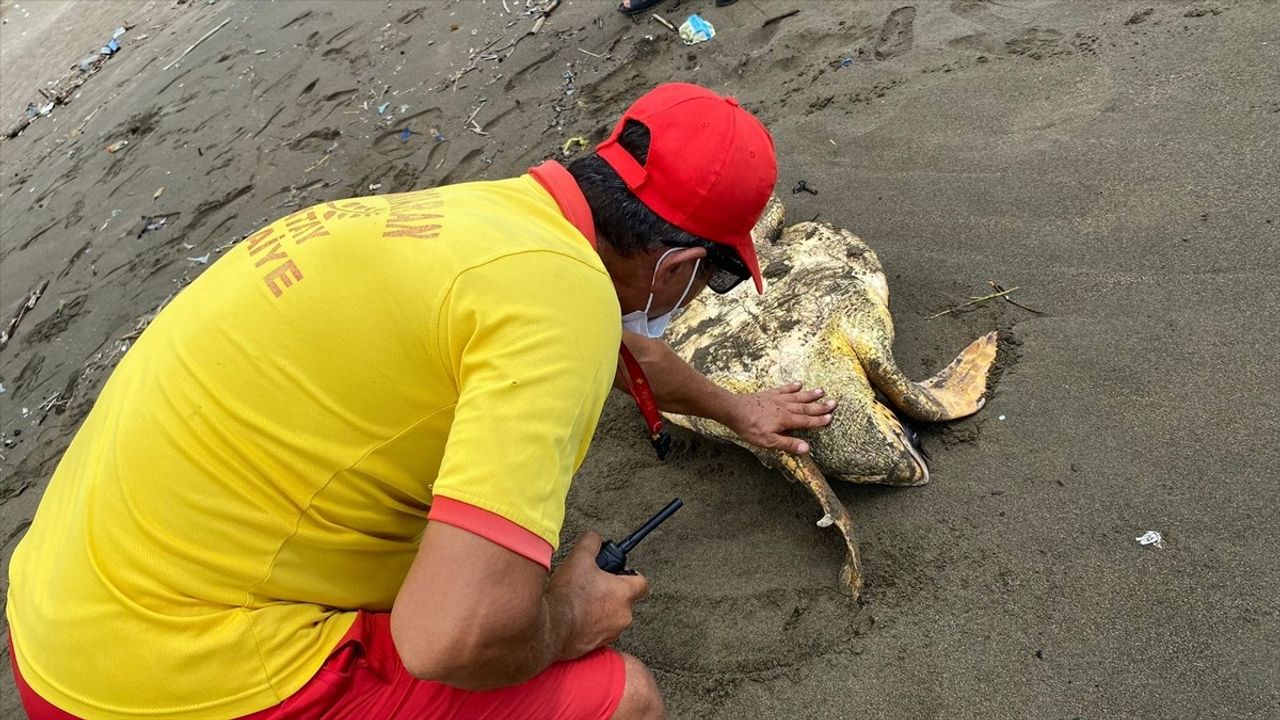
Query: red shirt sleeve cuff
{"x":492,"y":527}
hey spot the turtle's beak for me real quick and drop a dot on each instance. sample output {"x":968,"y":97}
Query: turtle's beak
{"x":917,"y":454}
{"x":909,"y":441}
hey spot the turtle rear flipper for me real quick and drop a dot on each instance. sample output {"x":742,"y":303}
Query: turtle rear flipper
{"x":802,"y":469}
{"x":955,"y":392}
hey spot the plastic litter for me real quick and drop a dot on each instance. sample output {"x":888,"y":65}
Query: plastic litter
{"x":696,"y":30}
{"x":382,"y":109}
{"x":202,"y":260}
{"x":572,"y":144}
{"x":437,"y":135}
{"x":111,"y":48}
{"x":846,"y":62}
{"x":152,"y":223}
{"x":117,"y":146}
{"x":157,"y":195}
{"x":118,"y":32}
{"x":1,"y":388}
{"x":34,"y":111}
{"x":1151,"y":537}
{"x":404,"y":135}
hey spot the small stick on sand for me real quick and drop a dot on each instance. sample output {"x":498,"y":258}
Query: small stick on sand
{"x":145,"y":320}
{"x":996,"y":286}
{"x":588,"y":52}
{"x":27,"y":306}
{"x":974,"y":301}
{"x":196,"y":43}
{"x":471,"y":118}
{"x":546,"y":13}
{"x":776,"y":18}
{"x":663,"y":20}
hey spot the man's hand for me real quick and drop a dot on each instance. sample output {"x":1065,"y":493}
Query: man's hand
{"x":764,"y":418}
{"x":475,"y":615}
{"x":600,"y":602}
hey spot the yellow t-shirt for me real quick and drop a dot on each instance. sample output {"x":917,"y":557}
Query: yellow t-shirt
{"x":263,"y":460}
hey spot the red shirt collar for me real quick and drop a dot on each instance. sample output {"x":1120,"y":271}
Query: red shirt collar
{"x":552,"y":176}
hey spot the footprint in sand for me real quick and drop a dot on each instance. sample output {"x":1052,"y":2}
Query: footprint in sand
{"x":895,"y":35}
{"x":733,"y":635}
{"x":1035,"y":43}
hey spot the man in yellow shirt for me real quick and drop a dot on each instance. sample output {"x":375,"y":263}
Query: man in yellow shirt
{"x":328,"y":480}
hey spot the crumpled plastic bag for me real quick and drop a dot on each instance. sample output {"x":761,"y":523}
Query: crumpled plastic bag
{"x":1151,"y":537}
{"x":696,"y":30}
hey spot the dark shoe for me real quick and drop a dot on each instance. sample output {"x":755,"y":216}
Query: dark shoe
{"x":639,"y":6}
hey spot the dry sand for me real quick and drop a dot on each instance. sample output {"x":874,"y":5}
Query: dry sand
{"x":1118,"y":164}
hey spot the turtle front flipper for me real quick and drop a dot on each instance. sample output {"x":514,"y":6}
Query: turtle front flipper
{"x":802,"y":469}
{"x":955,"y":392}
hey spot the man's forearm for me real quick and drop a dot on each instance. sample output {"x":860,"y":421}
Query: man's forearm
{"x":514,"y":658}
{"x":677,"y":386}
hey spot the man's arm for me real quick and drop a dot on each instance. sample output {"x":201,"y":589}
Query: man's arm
{"x":762,"y":419}
{"x":477,"y":616}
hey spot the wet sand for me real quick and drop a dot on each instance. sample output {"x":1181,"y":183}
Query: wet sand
{"x":1119,"y":166}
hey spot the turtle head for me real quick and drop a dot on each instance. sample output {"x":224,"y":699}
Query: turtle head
{"x":769,"y":226}
{"x":911,"y":469}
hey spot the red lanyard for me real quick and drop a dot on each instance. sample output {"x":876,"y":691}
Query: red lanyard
{"x":564,"y":189}
{"x":638,"y":386}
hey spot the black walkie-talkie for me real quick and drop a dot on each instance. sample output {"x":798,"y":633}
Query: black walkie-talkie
{"x":613,"y":556}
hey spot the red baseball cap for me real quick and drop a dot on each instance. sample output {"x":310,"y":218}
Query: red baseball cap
{"x":711,"y":165}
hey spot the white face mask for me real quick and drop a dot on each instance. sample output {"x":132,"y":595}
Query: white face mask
{"x":639,"y":321}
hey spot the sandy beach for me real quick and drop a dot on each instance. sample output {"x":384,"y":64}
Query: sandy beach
{"x":1117,"y":162}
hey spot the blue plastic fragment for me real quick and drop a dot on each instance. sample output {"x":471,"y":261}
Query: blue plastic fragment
{"x":404,"y":135}
{"x":696,"y":30}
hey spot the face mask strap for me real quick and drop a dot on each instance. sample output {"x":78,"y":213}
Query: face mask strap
{"x":692,"y":277}
{"x":654,"y":279}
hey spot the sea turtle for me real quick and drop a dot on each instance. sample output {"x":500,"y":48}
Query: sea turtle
{"x":825,"y":320}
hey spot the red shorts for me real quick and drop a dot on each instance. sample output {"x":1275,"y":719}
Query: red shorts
{"x":363,"y":679}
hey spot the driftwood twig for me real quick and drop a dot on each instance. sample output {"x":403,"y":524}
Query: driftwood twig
{"x":996,"y":286}
{"x":664,"y":21}
{"x":195,"y":44}
{"x":974,"y":301}
{"x":27,"y":306}
{"x":777,"y":18}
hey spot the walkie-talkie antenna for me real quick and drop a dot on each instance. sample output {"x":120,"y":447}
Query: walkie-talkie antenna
{"x":613,"y":556}
{"x":634,"y":538}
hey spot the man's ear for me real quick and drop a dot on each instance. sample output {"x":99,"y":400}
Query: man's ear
{"x":677,"y":265}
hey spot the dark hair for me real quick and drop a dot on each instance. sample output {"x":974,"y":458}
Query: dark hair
{"x":621,"y":220}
